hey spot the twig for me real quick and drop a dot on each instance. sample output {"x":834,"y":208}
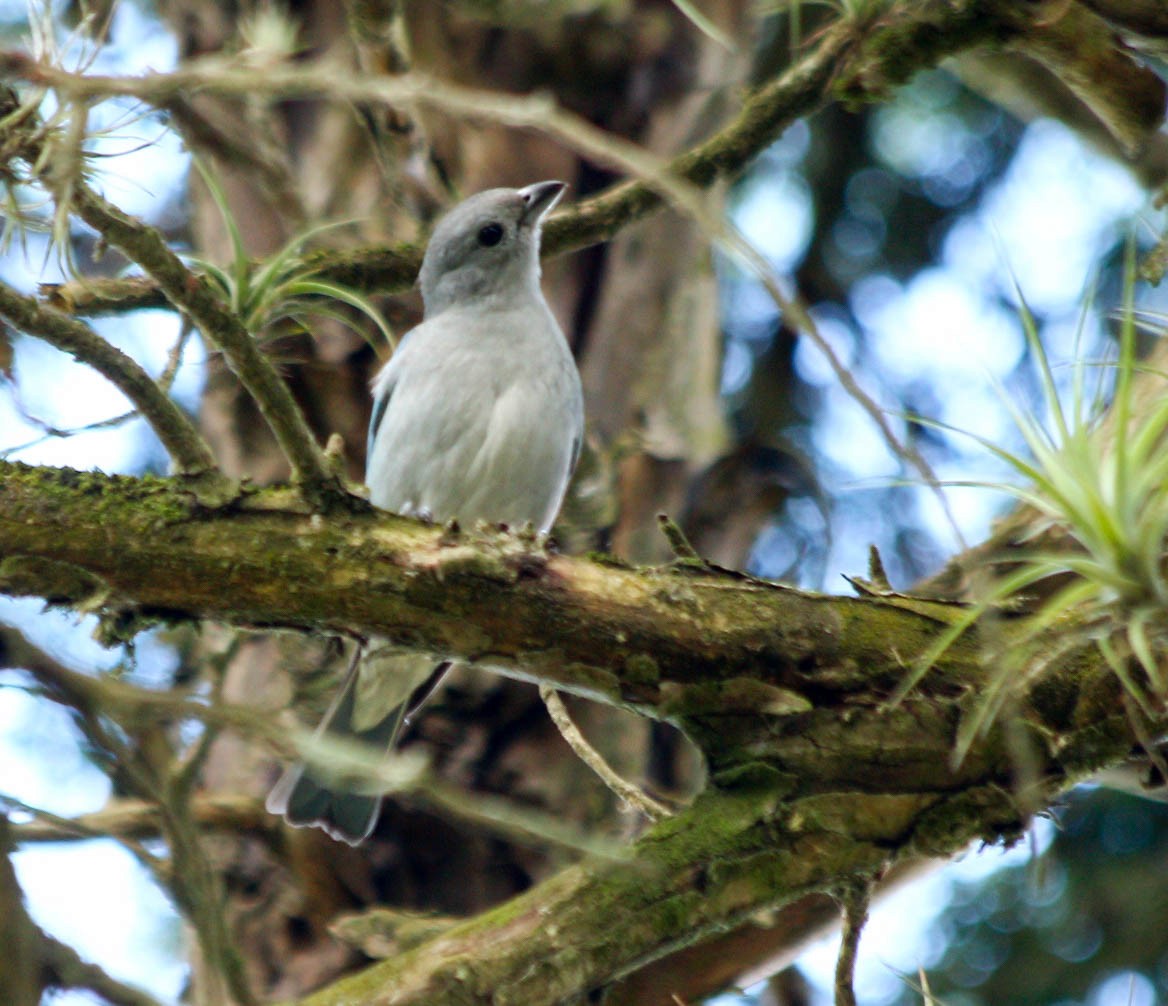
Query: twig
{"x":679,"y":544}
{"x":624,"y":789}
{"x":46,"y":826}
{"x":127,"y":819}
{"x":189,"y":451}
{"x":48,"y":432}
{"x":800,"y":319}
{"x":67,"y":969}
{"x":854,"y":901}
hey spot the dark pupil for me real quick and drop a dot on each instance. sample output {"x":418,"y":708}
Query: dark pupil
{"x":491,"y":235}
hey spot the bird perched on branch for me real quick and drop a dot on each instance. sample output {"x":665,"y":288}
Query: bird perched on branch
{"x":478,"y":416}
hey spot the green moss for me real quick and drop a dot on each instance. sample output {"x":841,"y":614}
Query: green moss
{"x":757,"y":776}
{"x":59,"y":583}
{"x":606,"y":559}
{"x":641,"y":669}
{"x":992,"y":810}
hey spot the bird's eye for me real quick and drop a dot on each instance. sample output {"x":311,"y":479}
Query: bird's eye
{"x":491,"y":235}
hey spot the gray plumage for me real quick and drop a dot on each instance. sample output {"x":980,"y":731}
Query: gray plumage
{"x":478,"y":416}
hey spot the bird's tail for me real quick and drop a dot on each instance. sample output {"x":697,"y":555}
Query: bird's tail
{"x":347,"y":811}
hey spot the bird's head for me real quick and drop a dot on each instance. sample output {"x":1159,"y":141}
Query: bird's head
{"x":487,"y":247}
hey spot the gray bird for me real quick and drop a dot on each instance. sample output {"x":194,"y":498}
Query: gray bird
{"x":478,"y":416}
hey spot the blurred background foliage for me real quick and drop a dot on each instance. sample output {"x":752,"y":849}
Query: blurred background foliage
{"x":904,"y":226}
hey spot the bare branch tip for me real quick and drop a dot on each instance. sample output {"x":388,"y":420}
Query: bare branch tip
{"x":684,"y":553}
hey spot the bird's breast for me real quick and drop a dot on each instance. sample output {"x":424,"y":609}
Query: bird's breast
{"x":472,"y":436}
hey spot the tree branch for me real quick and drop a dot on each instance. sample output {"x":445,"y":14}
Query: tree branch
{"x":192,"y":295}
{"x":187,"y":291}
{"x":818,"y":782}
{"x":858,"y":59}
{"x":701,"y":648}
{"x":189,"y":451}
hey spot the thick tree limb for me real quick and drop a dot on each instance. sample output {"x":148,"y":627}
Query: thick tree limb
{"x":818,"y":783}
{"x":148,"y":547}
{"x":725,"y":655}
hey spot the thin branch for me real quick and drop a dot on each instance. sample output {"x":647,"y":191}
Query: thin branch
{"x":164,"y":381}
{"x":46,"y":826}
{"x":99,"y":295}
{"x":854,"y":902}
{"x":628,"y":793}
{"x":192,"y":294}
{"x":129,"y":819}
{"x":67,"y":969}
{"x":189,"y":451}
{"x":764,"y":116}
{"x":803,"y":323}
{"x":683,"y":552}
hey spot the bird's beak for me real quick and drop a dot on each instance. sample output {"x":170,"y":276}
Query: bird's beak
{"x":539,"y":199}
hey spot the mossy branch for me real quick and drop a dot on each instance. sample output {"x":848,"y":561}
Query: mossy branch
{"x":816,"y":783}
{"x":707,"y":649}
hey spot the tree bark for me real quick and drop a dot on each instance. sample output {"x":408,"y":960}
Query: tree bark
{"x":817,"y":780}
